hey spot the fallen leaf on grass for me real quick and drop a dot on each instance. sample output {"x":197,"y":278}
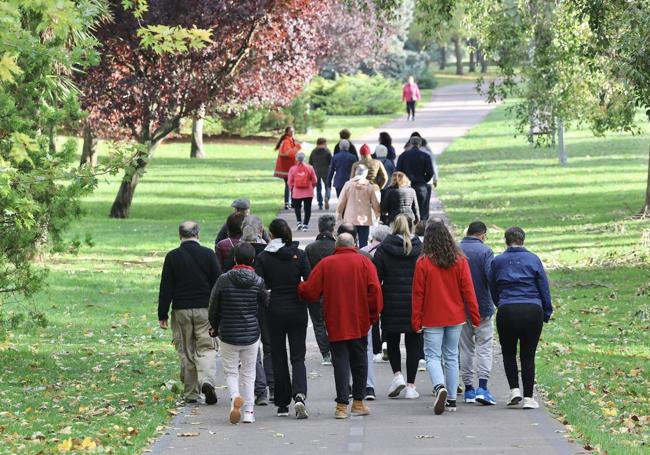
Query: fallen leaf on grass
{"x":187,"y":434}
{"x":65,"y":446}
{"x":610,"y":412}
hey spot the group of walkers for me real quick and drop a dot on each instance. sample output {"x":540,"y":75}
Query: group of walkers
{"x":259,"y":287}
{"x":370,"y":187}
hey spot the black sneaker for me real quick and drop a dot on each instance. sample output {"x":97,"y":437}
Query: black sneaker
{"x":283,"y":411}
{"x":370,"y":394}
{"x":450,"y":406}
{"x":208,"y":391}
{"x":440,"y":400}
{"x":299,"y":406}
{"x":261,"y":400}
{"x":271,"y":395}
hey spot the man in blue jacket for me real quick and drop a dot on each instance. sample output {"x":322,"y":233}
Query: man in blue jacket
{"x":477,"y":342}
{"x":341,"y":167}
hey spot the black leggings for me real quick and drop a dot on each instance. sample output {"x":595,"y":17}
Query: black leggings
{"x":410,"y":108}
{"x":297,"y":207}
{"x":413,"y":342}
{"x":522,"y":323}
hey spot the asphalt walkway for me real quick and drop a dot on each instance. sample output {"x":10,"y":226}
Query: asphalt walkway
{"x":395,"y":426}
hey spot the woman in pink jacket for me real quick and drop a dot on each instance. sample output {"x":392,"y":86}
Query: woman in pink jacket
{"x":410,"y":94}
{"x":302,"y":180}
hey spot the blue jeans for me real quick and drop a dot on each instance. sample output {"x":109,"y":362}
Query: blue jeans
{"x":441,"y":346}
{"x":320,"y":185}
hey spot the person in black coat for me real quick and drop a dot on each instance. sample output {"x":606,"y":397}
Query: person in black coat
{"x":400,"y":198}
{"x":417,"y":164}
{"x":235,"y":304}
{"x":344,"y":134}
{"x":283,"y":265}
{"x":395,"y":261}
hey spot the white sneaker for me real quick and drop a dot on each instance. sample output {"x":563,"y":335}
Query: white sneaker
{"x":396,"y":386}
{"x":530,"y":403}
{"x":378,"y":358}
{"x":515,"y":397}
{"x":411,"y":393}
{"x":422,"y":365}
{"x":248,"y":417}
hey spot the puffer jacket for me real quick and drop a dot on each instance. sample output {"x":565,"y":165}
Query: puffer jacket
{"x":282,"y":271}
{"x":400,"y":200}
{"x":235,"y":303}
{"x":395,"y":270}
{"x":358,"y":203}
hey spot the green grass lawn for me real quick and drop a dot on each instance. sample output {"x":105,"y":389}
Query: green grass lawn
{"x":594,"y":359}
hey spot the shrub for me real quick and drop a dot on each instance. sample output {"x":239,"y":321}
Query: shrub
{"x":426,"y":80}
{"x":246,"y":123}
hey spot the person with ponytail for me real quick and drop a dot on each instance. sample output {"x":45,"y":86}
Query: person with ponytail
{"x":395,"y":260}
{"x":287,"y":148}
{"x":283,"y":266}
{"x":443,"y":296}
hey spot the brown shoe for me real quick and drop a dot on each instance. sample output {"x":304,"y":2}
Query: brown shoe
{"x":235,"y":410}
{"x":327,"y":205}
{"x":341,"y":411}
{"x":359,"y":408}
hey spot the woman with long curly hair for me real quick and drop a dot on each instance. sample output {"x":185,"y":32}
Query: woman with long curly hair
{"x":443,"y":294}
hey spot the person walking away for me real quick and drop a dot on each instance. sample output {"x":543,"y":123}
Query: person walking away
{"x":320,"y":159}
{"x":188,"y":275}
{"x":410,"y":95}
{"x":400,"y":199}
{"x":478,"y":342}
{"x":425,"y":148}
{"x":519,"y":289}
{"x":376,"y":172}
{"x":418,"y":167}
{"x":340,"y":168}
{"x":224,"y":248}
{"x":283,"y":265}
{"x":344,"y":135}
{"x":358,"y":204}
{"x":377,"y":235}
{"x":302,"y":181}
{"x":323,"y":246}
{"x":443,"y":295}
{"x":381,"y":155}
{"x":395,"y":261}
{"x":235,"y":303}
{"x":241,"y":205}
{"x":287,"y":148}
{"x":348,"y":283}
{"x":386,"y":141}
{"x":252,"y":232}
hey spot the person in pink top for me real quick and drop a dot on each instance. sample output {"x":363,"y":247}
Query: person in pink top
{"x":302,"y":180}
{"x":411,"y":95}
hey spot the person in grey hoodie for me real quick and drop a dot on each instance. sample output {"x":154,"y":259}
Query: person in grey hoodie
{"x":477,"y":342}
{"x":235,"y":303}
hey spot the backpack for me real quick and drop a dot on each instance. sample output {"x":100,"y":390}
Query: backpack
{"x":301,"y":179}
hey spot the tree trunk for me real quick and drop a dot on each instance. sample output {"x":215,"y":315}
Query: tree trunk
{"x":560,"y":143}
{"x":472,"y":56}
{"x":484,"y":64}
{"x":443,"y":57}
{"x":646,"y":209}
{"x":196,"y":150}
{"x":458,"y":50}
{"x":89,"y":149}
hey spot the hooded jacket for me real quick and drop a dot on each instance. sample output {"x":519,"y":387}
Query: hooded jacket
{"x":283,"y":267}
{"x":358,"y":203}
{"x":235,"y":303}
{"x":395,"y":269}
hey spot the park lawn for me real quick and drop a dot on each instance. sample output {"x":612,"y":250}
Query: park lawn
{"x":95,"y":374}
{"x":594,"y":358}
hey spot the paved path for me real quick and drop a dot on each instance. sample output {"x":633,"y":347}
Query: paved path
{"x":395,"y":426}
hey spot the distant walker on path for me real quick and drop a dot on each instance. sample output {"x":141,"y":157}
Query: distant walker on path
{"x":411,"y":95}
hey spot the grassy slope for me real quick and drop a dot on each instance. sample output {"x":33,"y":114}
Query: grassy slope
{"x":595,"y":355}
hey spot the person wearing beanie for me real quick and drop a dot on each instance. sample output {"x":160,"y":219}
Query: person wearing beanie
{"x":344,"y":135}
{"x":302,"y":180}
{"x":340,"y":167}
{"x":376,"y":172}
{"x":381,"y":155}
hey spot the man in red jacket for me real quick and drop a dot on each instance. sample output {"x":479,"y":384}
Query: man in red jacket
{"x":350,"y":307}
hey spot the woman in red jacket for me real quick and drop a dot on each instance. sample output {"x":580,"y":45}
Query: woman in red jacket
{"x":287,"y":148}
{"x":443,"y":294}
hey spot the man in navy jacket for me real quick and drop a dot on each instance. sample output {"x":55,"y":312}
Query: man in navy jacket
{"x":341,"y":167}
{"x":418,"y":167}
{"x":477,"y":342}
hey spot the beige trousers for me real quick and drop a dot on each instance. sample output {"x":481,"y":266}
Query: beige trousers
{"x":196,"y":349}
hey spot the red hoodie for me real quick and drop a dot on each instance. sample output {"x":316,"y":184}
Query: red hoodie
{"x":351,"y":291}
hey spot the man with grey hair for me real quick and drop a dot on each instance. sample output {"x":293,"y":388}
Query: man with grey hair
{"x":350,"y":307}
{"x":188,"y":275}
{"x":341,"y":167}
{"x":418,"y":167}
{"x":241,"y":205}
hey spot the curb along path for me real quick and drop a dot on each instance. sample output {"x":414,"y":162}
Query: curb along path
{"x":395,"y":426}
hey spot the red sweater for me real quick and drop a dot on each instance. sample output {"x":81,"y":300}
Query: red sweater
{"x":443,"y":297}
{"x":351,"y":291}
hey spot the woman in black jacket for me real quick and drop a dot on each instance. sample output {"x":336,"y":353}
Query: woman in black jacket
{"x":395,"y":261}
{"x":400,"y":198}
{"x":283,"y":265}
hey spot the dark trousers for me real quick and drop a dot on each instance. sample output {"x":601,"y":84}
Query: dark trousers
{"x":376,"y":338}
{"x":339,"y":190}
{"x":297,"y":207}
{"x":260,"y":376}
{"x":320,"y":188}
{"x":363,"y":232}
{"x":414,"y":346}
{"x":265,"y":337}
{"x":423,"y":194}
{"x":287,"y":191}
{"x":350,"y":356}
{"x":520,"y":323}
{"x":320,"y":332}
{"x":410,"y":108}
{"x":291,"y":326}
